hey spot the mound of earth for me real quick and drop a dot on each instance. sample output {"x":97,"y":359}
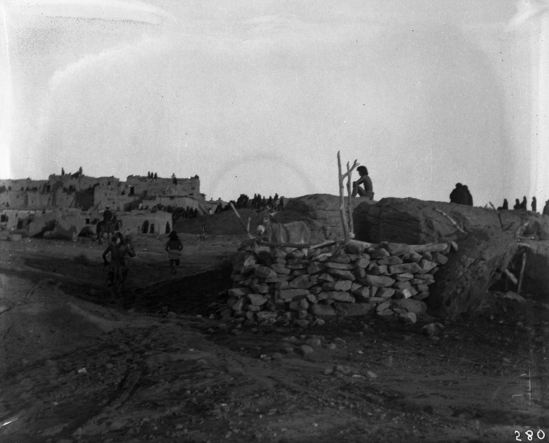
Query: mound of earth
{"x":222,"y":223}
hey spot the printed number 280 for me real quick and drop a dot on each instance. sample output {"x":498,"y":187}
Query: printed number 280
{"x":530,"y":435}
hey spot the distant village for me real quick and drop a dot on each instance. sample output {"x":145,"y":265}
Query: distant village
{"x":75,"y":202}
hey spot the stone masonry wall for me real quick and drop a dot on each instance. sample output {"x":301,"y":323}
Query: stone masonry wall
{"x":271,"y":285}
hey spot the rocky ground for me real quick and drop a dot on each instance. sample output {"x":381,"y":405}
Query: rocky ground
{"x":158,"y":366}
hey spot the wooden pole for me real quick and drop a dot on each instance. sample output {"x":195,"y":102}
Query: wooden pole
{"x":240,"y":220}
{"x":342,"y":201}
{"x":350,"y":201}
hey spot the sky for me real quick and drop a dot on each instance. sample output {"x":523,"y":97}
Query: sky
{"x":258,"y":96}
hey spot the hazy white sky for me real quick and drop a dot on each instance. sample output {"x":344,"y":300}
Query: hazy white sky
{"x":258,"y":96}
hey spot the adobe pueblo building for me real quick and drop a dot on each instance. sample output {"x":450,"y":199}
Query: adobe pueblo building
{"x":68,"y":205}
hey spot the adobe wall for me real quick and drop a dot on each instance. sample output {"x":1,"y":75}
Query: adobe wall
{"x":189,"y":187}
{"x":145,"y":222}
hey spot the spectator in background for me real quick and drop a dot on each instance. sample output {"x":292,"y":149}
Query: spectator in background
{"x":459,"y":195}
{"x":174,"y":248}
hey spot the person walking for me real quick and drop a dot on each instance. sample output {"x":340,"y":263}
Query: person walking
{"x":368,"y":189}
{"x":174,"y":248}
{"x":120,"y":252}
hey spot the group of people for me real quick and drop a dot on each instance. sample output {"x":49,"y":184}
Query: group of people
{"x":461,"y":195}
{"x":523,"y":205}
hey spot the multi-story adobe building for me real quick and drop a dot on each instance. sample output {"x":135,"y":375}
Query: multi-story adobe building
{"x":91,"y":195}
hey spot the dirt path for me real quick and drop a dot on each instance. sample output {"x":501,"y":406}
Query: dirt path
{"x":79,"y":370}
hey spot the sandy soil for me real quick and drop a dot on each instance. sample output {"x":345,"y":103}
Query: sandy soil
{"x":159,"y":366}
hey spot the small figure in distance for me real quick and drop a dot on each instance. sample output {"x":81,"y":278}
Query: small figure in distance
{"x":524,"y":204}
{"x":203,"y":232}
{"x":459,"y":195}
{"x":546,"y":208}
{"x":517,"y":204}
{"x":505,"y":206}
{"x":534,"y":204}
{"x":174,"y":248}
{"x":366,"y":181}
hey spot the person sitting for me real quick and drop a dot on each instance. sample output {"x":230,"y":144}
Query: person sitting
{"x":174,"y":248}
{"x":546,"y":208}
{"x":517,"y":204}
{"x":505,"y":205}
{"x":459,"y":195}
{"x":364,"y":180}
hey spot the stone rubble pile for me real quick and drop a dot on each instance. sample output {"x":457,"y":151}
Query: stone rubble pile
{"x":271,"y":285}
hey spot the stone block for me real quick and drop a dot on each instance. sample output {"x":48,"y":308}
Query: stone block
{"x":375,"y":269}
{"x":341,"y":266}
{"x":362,"y":262}
{"x":352,"y":309}
{"x":340,"y":296}
{"x":314,"y":268}
{"x":259,"y":288}
{"x":380,"y":253}
{"x":405,"y":268}
{"x":382,"y":306}
{"x":321,"y":309}
{"x":289,"y":294}
{"x":343,"y":258}
{"x":345,"y":275}
{"x":402,"y":285}
{"x":360,"y":273}
{"x":378,"y":280}
{"x":385,"y":292}
{"x":264,"y":272}
{"x":392,"y":260}
{"x":257,"y":299}
{"x":280,"y":269}
{"x":420,"y":296}
{"x":411,"y":305}
{"x":363,"y":291}
{"x":440,"y":258}
{"x":301,"y":282}
{"x":404,"y":276}
{"x":408,"y":318}
{"x":326,"y":277}
{"x":402,"y":293}
{"x":426,"y":266}
{"x":239,"y":292}
{"x":355,"y":286}
{"x":338,"y":285}
{"x":412,"y":256}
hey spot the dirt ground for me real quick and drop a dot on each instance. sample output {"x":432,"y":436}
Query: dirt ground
{"x":158,"y":365}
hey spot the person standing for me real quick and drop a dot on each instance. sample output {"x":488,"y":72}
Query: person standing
{"x":368,"y":189}
{"x":118,"y":266}
{"x":174,"y":248}
{"x":534,"y":204}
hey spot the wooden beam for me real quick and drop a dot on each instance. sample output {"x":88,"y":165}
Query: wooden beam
{"x":341,"y":177}
{"x":241,"y":222}
{"x":459,"y":228}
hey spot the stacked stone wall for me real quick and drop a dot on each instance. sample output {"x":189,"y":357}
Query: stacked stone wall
{"x":271,"y":285}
